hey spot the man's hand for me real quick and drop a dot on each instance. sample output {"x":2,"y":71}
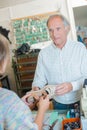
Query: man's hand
{"x":63,"y":88}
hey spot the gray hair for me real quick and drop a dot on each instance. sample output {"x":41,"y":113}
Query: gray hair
{"x":65,"y":21}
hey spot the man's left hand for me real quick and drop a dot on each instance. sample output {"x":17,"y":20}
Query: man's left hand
{"x":63,"y":88}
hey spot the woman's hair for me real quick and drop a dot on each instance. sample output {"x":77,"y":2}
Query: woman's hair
{"x":3,"y":48}
{"x":65,"y":21}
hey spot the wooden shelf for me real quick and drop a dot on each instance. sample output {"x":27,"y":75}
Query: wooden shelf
{"x":24,"y":68}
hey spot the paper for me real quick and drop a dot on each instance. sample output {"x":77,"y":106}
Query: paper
{"x":84,"y":124}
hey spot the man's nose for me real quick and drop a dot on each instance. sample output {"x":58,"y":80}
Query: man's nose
{"x":55,"y":33}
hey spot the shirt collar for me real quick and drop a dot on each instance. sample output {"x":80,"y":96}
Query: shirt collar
{"x":66,"y":45}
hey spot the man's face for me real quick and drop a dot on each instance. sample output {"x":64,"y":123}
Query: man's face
{"x":57,"y":31}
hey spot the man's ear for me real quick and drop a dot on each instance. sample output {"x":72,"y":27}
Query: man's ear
{"x":67,"y":28}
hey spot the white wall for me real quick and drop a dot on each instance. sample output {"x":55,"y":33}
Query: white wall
{"x":71,"y":4}
{"x":77,"y":3}
{"x":29,"y":9}
{"x":33,"y":8}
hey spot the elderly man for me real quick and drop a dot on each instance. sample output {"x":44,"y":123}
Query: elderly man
{"x":63,"y":64}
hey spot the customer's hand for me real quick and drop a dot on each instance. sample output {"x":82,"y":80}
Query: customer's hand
{"x":63,"y":88}
{"x":24,"y":98}
{"x":32,"y":103}
{"x":44,"y":103}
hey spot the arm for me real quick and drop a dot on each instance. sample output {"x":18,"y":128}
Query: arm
{"x":76,"y":84}
{"x":22,"y":118}
{"x":67,"y":87}
{"x":17,"y":114}
{"x":43,"y":106}
{"x":39,"y":77}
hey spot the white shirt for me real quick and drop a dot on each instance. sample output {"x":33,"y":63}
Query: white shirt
{"x":56,"y":66}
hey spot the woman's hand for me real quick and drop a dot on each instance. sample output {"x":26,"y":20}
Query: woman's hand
{"x":44,"y":103}
{"x":30,"y":99}
{"x":25,"y":97}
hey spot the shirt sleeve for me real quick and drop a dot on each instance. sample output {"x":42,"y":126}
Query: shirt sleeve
{"x":78,"y":84}
{"x":18,"y":115}
{"x":39,"y":77}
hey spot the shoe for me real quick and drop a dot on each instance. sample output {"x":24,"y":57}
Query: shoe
{"x":47,"y":90}
{"x":50,"y":90}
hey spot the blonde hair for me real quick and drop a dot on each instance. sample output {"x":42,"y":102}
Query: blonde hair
{"x":4,"y":48}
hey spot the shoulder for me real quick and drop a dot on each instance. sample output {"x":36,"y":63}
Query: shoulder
{"x":10,"y":101}
{"x":5,"y":92}
{"x":77,"y":48}
{"x":8,"y":97}
{"x":76,"y":44}
{"x":46,"y":50}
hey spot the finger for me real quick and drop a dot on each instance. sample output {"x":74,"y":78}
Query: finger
{"x":60,"y":87}
{"x":59,"y":90}
{"x":29,"y":92}
{"x":47,"y":96}
{"x":24,"y":97}
{"x":36,"y":97}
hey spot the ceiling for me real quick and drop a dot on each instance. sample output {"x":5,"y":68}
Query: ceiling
{"x":80,"y":15}
{"x":7,"y":3}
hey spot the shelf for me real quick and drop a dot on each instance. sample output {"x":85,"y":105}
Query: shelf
{"x":24,"y":80}
{"x":25,"y":63}
{"x":26,"y":88}
{"x":27,"y":71}
{"x":24,"y":68}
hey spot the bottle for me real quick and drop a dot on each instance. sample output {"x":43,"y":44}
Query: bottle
{"x":72,"y":113}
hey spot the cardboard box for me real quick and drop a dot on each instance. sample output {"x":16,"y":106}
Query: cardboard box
{"x":70,"y":120}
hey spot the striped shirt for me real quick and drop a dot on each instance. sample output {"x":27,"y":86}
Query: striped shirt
{"x":56,"y":66}
{"x":14,"y":114}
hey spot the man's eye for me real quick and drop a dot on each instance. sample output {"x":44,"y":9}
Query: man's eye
{"x":50,"y":30}
{"x":58,"y":29}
